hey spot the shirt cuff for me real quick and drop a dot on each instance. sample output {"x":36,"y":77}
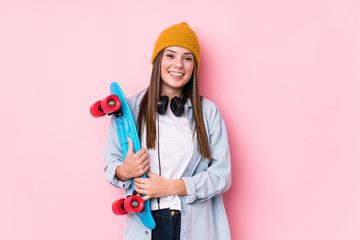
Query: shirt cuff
{"x":190,"y":189}
{"x":111,"y":177}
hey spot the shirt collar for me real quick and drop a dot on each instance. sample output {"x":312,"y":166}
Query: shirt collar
{"x":188,"y":102}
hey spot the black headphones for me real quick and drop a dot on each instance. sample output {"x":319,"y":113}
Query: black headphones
{"x":177,"y":105}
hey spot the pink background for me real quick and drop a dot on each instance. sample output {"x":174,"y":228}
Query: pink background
{"x":285,"y":75}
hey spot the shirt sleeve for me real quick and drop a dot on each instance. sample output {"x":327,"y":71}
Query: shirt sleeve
{"x":113,"y":157}
{"x":217,"y":177}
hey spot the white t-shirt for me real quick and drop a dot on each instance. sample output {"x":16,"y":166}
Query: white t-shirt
{"x":176,"y":149}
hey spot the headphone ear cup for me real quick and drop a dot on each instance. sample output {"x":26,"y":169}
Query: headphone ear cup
{"x":177,"y":106}
{"x":162,"y":104}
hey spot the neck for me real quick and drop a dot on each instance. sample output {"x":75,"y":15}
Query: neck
{"x":172,"y":93}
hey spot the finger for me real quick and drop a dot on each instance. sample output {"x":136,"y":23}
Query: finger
{"x":141,"y":152}
{"x":145,"y":164}
{"x":145,"y":198}
{"x":131,"y":145}
{"x":139,"y":190}
{"x":140,"y":186}
{"x":144,"y":155}
{"x":140,"y":180}
{"x":142,"y":171}
{"x":146,"y":169}
{"x":151,"y":174}
{"x":143,"y":159}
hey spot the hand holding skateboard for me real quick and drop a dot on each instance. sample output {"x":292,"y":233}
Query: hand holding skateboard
{"x":135,"y":164}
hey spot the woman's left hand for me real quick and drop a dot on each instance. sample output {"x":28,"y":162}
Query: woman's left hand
{"x":153,"y":186}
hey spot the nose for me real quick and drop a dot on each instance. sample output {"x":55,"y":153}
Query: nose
{"x":178,"y":63}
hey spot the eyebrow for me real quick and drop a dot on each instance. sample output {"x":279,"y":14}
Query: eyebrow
{"x":176,"y":52}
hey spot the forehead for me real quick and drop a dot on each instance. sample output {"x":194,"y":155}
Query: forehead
{"x":178,"y":49}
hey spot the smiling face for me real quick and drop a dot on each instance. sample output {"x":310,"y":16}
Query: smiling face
{"x":177,"y":66}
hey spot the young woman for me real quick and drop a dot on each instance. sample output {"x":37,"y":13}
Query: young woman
{"x":185,"y":150}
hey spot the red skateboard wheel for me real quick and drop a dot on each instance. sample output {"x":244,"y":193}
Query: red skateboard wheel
{"x":134,"y":204}
{"x":110,"y":104}
{"x":95,"y":110}
{"x":118,"y":207}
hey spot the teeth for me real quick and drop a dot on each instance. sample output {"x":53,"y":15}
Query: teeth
{"x":176,"y":74}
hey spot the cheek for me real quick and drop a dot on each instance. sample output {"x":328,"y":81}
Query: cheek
{"x":190,"y":67}
{"x":164,"y":66}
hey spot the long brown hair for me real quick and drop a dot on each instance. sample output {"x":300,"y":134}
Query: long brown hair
{"x":148,"y":108}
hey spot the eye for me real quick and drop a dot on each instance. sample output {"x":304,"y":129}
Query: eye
{"x":170,"y":55}
{"x":188,"y":58}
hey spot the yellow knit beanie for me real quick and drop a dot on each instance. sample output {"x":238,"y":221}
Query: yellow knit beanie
{"x":178,"y":35}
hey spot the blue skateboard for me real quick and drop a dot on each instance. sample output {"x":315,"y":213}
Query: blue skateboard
{"x":117,"y":106}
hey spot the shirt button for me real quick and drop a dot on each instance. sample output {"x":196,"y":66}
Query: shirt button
{"x":146,"y":232}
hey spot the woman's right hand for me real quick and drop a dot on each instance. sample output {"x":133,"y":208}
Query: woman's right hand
{"x":135,"y":164}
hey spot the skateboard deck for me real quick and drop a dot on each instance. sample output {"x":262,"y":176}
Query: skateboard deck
{"x":126,"y":128}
